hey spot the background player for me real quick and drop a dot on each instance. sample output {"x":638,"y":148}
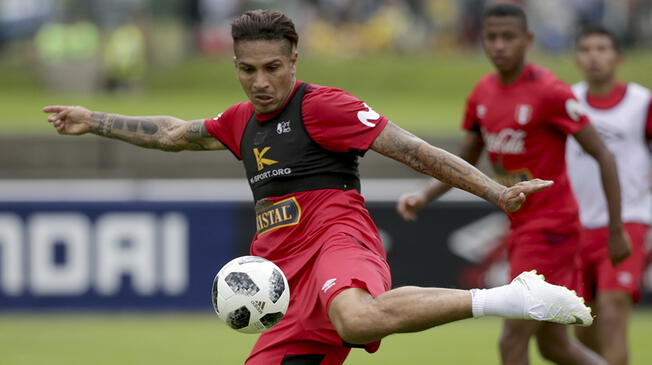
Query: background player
{"x":622,"y":114}
{"x":522,"y":114}
{"x":300,"y":145}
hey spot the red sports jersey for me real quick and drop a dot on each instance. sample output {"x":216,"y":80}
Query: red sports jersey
{"x":524,"y":126}
{"x":335,"y":119}
{"x":315,"y":226}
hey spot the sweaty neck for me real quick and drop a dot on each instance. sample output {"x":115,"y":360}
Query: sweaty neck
{"x":510,"y":77}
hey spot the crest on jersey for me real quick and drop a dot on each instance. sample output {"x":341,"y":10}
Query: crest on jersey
{"x":523,"y":114}
{"x":480,"y":111}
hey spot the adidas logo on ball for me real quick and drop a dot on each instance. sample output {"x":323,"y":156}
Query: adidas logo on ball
{"x":250,"y":294}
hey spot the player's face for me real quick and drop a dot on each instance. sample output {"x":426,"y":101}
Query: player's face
{"x":266,"y":72}
{"x":505,"y":41}
{"x":597,"y":57}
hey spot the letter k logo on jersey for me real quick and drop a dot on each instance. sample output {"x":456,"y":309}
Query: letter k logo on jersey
{"x":262,"y":161}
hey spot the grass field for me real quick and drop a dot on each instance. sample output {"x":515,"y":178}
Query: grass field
{"x":422,"y":93}
{"x":167,"y":339}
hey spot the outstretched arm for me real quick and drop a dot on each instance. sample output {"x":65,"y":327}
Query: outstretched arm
{"x":409,"y":204}
{"x":619,"y":246}
{"x":405,"y":147}
{"x":160,"y":132}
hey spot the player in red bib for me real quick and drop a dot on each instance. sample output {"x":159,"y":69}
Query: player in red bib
{"x":300,"y":145}
{"x":622,"y":113}
{"x":522,"y":115}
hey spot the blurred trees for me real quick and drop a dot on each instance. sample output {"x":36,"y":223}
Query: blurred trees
{"x":109,"y":44}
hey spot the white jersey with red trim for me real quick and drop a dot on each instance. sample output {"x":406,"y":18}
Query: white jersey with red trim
{"x":623,"y":129}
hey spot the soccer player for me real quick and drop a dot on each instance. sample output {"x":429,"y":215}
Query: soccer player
{"x":622,"y":114}
{"x":300,"y":145}
{"x":522,"y":115}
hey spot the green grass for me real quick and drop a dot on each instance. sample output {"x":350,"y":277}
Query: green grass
{"x":164,"y":339}
{"x":422,"y":93}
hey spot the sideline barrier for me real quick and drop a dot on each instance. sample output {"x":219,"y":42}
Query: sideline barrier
{"x":141,"y":255}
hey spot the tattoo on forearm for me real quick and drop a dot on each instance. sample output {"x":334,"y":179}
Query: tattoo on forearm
{"x":97,"y":123}
{"x":446,"y":167}
{"x":152,"y":132}
{"x":107,"y":124}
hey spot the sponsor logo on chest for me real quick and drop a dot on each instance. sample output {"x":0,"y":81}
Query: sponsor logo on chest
{"x":261,"y":161}
{"x":507,"y":142}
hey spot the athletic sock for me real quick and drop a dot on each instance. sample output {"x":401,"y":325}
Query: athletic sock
{"x":504,"y":301}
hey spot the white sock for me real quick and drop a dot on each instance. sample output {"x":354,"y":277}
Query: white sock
{"x":505,"y":301}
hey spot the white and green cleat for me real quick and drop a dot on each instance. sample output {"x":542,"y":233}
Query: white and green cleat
{"x":551,"y":303}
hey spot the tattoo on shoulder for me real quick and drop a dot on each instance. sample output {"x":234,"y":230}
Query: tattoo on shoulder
{"x":197,"y":129}
{"x":194,"y":135}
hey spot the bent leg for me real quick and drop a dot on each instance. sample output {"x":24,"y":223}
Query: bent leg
{"x":557,"y":346}
{"x":589,"y":335}
{"x":359,"y":318}
{"x":617,"y":289}
{"x":514,"y":341}
{"x":614,"y":309}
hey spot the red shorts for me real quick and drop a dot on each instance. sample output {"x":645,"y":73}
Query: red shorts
{"x":600,"y":275}
{"x":555,"y":255}
{"x":341,"y":263}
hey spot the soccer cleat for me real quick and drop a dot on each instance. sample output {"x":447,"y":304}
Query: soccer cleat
{"x":553,"y":303}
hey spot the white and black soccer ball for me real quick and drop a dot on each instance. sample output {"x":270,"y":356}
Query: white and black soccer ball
{"x":250,"y":294}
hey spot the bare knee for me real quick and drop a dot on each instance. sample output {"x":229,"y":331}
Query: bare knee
{"x":515,"y":336}
{"x":555,"y":345}
{"x":352,"y":314}
{"x":614,"y":309}
{"x":512,"y":342}
{"x":589,"y":336}
{"x":550,"y":352}
{"x":553,"y":342}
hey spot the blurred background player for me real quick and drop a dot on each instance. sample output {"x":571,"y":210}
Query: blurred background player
{"x":522,"y":115}
{"x":300,"y":145}
{"x":622,"y":114}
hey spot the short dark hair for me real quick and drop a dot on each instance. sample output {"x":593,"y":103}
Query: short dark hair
{"x":505,"y":10}
{"x":268,"y":25}
{"x":598,"y":29}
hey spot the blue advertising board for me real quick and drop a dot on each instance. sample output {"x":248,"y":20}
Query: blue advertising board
{"x":158,"y":255}
{"x":112,"y":255}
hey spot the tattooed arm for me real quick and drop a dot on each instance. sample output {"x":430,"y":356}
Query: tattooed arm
{"x":163,"y":133}
{"x":409,"y":204}
{"x":404,"y":147}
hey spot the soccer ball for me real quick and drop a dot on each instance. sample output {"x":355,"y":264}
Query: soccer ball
{"x":250,"y":294}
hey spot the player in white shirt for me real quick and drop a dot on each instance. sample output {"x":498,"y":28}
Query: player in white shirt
{"x":622,"y":113}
